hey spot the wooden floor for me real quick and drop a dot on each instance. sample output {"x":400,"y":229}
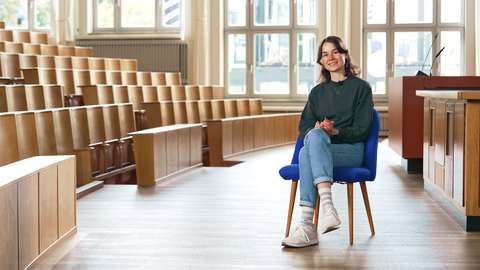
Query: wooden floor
{"x":234,"y":218}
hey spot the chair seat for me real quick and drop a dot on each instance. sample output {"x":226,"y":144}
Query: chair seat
{"x":340,"y":174}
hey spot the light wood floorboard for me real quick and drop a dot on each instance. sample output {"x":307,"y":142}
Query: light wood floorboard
{"x":234,"y":218}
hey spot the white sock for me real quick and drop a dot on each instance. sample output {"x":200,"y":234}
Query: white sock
{"x":307,"y":216}
{"x":326,"y":198}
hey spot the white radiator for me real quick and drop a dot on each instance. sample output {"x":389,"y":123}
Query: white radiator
{"x":160,"y":55}
{"x":383,"y":124}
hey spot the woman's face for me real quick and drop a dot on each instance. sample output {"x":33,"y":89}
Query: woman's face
{"x":332,"y":59}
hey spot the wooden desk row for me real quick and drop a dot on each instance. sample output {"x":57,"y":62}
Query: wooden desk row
{"x":30,"y":97}
{"x":37,"y":209}
{"x":11,"y":46}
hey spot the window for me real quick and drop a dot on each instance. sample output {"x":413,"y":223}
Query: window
{"x":26,"y":14}
{"x":402,"y":37}
{"x":271,"y":48}
{"x":134,"y":15}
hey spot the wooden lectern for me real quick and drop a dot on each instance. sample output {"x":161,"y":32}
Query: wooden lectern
{"x":405,"y":117}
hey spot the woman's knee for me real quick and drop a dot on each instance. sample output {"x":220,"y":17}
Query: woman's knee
{"x":317,"y":135}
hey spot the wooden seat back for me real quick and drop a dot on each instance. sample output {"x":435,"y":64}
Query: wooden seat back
{"x":243,"y":107}
{"x":3,"y":99}
{"x":10,"y":65}
{"x":13,"y":47}
{"x":192,"y":92}
{"x":128,"y":65}
{"x":218,"y":109}
{"x":80,"y":78}
{"x":180,"y":112}
{"x":164,"y":93}
{"x":54,"y":96}
{"x":35,"y":97}
{"x":65,"y":77}
{"x":135,"y":96}
{"x":31,"y":75}
{"x":66,"y":50}
{"x":29,"y":48}
{"x":21,"y":36}
{"x":97,"y":94}
{"x":38,"y":38}
{"x":80,"y":63}
{"x":113,"y":77}
{"x":8,"y":139}
{"x":256,"y":106}
{"x":2,"y":46}
{"x":47,"y":75}
{"x":120,"y":94}
{"x":113,"y":64}
{"x":112,"y":122}
{"x":80,"y":128}
{"x":47,"y":144}
{"x":149,"y":93}
{"x":98,"y":77}
{"x":96,"y":124}
{"x":63,"y":131}
{"x":206,"y":92}
{"x":16,"y":98}
{"x":158,"y":78}
{"x":231,"y":109}
{"x":46,"y":61}
{"x":47,"y":49}
{"x":2,"y":25}
{"x":28,"y":61}
{"x":193,"y":113}
{"x":127,"y":119}
{"x":167,"y":112}
{"x":178,"y":93}
{"x":154,"y":113}
{"x":26,"y":135}
{"x":173,"y":78}
{"x":144,"y":78}
{"x":83,"y":51}
{"x":129,"y":78}
{"x":96,"y":63}
{"x":63,"y":62}
{"x":6,"y":35}
{"x":205,"y":110}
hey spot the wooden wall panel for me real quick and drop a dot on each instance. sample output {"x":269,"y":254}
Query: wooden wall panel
{"x":159,"y":155}
{"x":195,"y":145}
{"x":458,"y":151}
{"x":183,"y":148}
{"x":28,"y":222}
{"x":279,"y":128}
{"x":426,"y":135}
{"x":144,"y":159}
{"x":237,"y":136}
{"x":472,"y":158}
{"x":449,"y":140}
{"x":48,"y":206}
{"x":227,"y":138}
{"x":172,"y":151}
{"x":440,"y":120}
{"x":66,"y":197}
{"x":270,"y":131}
{"x":248,"y":134}
{"x":440,"y":176}
{"x":9,"y":225}
{"x":431,"y":140}
{"x":259,"y":132}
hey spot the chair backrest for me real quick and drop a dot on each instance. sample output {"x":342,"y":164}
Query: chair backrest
{"x":371,"y":145}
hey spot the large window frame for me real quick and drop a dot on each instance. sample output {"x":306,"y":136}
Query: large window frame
{"x":117,"y":20}
{"x":390,"y":28}
{"x":31,"y":15}
{"x":250,"y":30}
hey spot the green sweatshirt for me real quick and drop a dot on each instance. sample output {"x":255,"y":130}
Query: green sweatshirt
{"x":351,"y":109}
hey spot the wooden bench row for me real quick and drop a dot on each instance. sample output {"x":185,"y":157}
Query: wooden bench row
{"x":72,"y":62}
{"x":22,"y":36}
{"x":45,"y":49}
{"x":15,"y":98}
{"x":96,"y":135}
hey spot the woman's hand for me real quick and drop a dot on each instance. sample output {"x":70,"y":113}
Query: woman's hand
{"x":326,"y":125}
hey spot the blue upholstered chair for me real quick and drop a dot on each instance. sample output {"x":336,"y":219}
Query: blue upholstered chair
{"x":348,"y":175}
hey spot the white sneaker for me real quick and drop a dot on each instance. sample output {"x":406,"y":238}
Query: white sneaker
{"x":330,"y":220}
{"x":301,"y":237}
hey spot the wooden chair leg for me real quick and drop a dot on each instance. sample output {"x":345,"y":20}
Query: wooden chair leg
{"x":350,"y":210}
{"x":317,"y":210}
{"x":293,"y":192}
{"x":363,"y":186}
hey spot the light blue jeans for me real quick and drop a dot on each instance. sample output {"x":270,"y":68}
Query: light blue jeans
{"x":317,"y":159}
